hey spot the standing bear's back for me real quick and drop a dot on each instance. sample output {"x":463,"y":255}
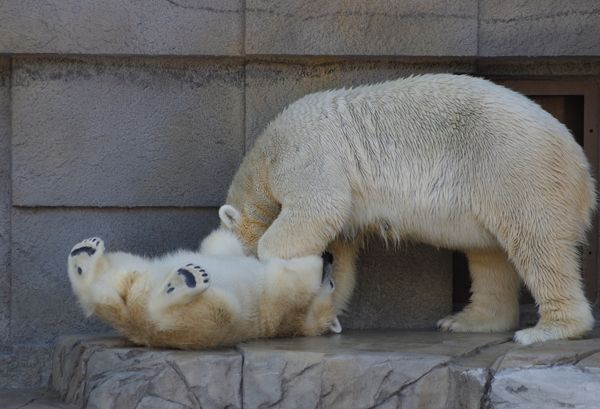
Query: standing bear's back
{"x":425,"y":158}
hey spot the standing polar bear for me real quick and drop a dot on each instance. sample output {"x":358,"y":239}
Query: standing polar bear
{"x":452,"y":161}
{"x":215,"y":297}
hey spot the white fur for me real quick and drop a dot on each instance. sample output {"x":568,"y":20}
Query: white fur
{"x":141,"y":296}
{"x":229,"y":216}
{"x":452,"y":161}
{"x":222,"y":242}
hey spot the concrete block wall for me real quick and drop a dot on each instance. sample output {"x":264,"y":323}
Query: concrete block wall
{"x":128,"y":119}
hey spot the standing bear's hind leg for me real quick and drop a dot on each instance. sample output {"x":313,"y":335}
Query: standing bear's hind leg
{"x":494,"y":304}
{"x":552,"y":275}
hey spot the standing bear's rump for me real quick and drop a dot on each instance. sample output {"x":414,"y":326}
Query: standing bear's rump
{"x":452,"y":161}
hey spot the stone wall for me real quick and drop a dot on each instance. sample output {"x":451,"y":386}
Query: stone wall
{"x":128,"y":119}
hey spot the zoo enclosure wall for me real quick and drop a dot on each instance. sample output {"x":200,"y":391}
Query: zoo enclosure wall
{"x":128,"y":119}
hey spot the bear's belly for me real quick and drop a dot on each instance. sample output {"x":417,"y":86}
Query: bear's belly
{"x":443,"y":227}
{"x":449,"y":233}
{"x":241,"y":277}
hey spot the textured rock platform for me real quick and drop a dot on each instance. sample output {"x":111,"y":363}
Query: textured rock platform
{"x":355,"y":369}
{"x":31,"y":399}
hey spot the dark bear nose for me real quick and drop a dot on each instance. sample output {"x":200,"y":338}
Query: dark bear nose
{"x":327,"y":266}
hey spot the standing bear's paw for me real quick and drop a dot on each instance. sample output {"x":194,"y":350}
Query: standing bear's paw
{"x":83,"y":262}
{"x":573,"y":325}
{"x":540,"y":334}
{"x":181,"y":285}
{"x":476,"y":320}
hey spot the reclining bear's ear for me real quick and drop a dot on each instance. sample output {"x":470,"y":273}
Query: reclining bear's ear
{"x":229,"y":216}
{"x":336,"y":326}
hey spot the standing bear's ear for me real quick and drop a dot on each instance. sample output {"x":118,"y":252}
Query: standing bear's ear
{"x":229,"y":216}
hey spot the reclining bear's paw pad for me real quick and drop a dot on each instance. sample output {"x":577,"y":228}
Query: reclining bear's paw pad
{"x":187,"y":280}
{"x":84,"y":257}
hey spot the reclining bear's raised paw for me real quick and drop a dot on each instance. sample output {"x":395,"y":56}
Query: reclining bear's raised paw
{"x":84,"y":257}
{"x":184,"y":282}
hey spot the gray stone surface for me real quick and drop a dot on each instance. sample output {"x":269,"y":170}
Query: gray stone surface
{"x":31,"y":399}
{"x":133,"y":132}
{"x":26,"y":364}
{"x":538,"y":28}
{"x":407,"y":27}
{"x":105,"y":372}
{"x":548,"y":388}
{"x":548,"y":354}
{"x":466,"y":28}
{"x":43,"y":304}
{"x":446,"y":387}
{"x":5,"y":203}
{"x":547,"y":375}
{"x":355,"y":369}
{"x":152,"y":27}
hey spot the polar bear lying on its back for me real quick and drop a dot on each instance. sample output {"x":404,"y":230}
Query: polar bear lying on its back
{"x":216,"y":297}
{"x":452,"y":161}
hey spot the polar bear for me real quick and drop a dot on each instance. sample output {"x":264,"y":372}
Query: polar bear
{"x":449,"y":160}
{"x":215,"y":297}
